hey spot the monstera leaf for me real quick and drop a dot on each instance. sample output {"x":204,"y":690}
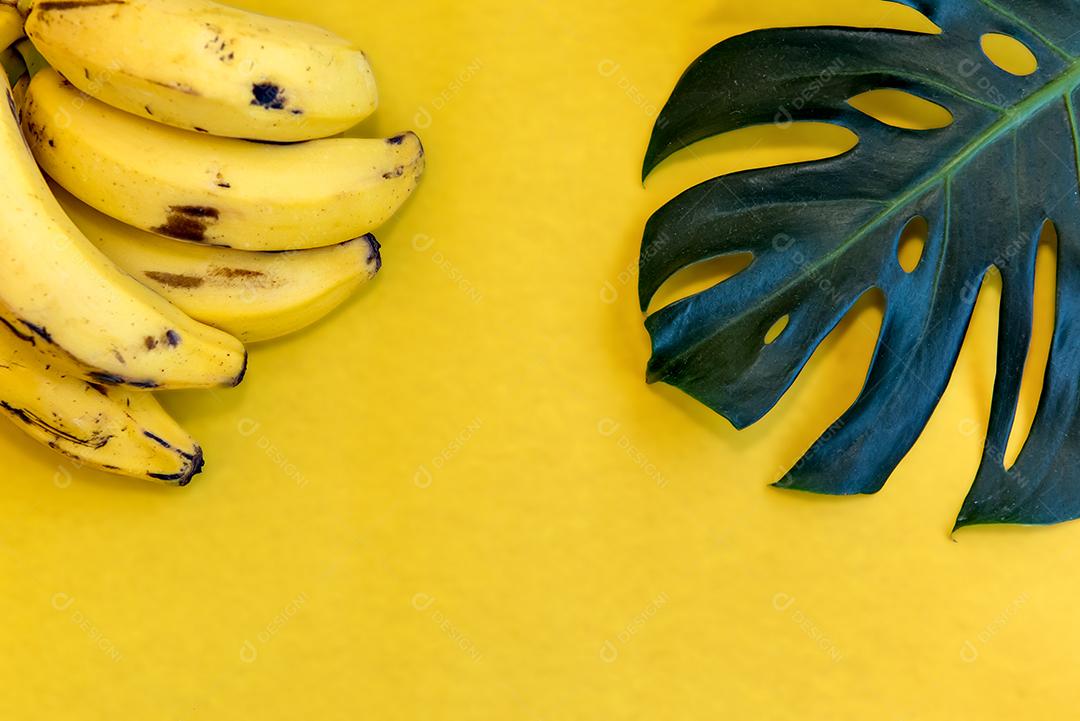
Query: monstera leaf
{"x":826,"y":232}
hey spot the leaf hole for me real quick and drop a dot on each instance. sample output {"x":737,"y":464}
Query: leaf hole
{"x":1042,"y":332}
{"x":901,"y":16}
{"x":783,"y":141}
{"x":1009,"y":54}
{"x":902,"y":109}
{"x":777,"y":329}
{"x":912,"y":243}
{"x":700,"y":276}
{"x":831,"y":380}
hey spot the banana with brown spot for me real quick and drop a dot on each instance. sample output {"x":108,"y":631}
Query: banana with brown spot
{"x":64,"y":295}
{"x":219,"y":191}
{"x":254,"y":296}
{"x":199,"y":65}
{"x":110,"y":429}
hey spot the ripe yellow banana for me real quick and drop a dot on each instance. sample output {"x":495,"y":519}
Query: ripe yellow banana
{"x":220,"y":191}
{"x":63,"y":294}
{"x":199,"y":65}
{"x":253,"y":296}
{"x":111,"y":429}
{"x":11,"y":24}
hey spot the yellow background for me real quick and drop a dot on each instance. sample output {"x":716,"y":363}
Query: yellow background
{"x":457,"y":498}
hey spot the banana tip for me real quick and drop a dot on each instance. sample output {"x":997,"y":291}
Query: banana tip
{"x":243,"y":371}
{"x":374,"y":252}
{"x":196,"y":467}
{"x":409,"y":136}
{"x":193,"y":468}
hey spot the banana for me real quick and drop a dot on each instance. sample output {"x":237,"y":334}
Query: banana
{"x":253,"y":296}
{"x":111,"y":429}
{"x":202,"y":66}
{"x":219,"y":191}
{"x":61,"y":292}
{"x":11,"y":24}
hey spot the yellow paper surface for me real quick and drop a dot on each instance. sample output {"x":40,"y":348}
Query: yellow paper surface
{"x":457,"y":498}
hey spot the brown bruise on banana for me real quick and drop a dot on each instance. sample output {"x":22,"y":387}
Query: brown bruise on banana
{"x":174,"y":280}
{"x":44,"y":7}
{"x":217,"y":276}
{"x":236,"y":273}
{"x":37,"y":134}
{"x":243,"y":278}
{"x":33,"y":134}
{"x":188,"y":222}
{"x":170,"y":339}
{"x":271,"y":96}
{"x":268,"y":95}
{"x":219,"y":47}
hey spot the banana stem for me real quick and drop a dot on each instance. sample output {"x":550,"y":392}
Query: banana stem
{"x":34,"y":60}
{"x":13,"y":65}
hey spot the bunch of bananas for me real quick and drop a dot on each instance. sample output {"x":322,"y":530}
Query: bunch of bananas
{"x":196,"y":200}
